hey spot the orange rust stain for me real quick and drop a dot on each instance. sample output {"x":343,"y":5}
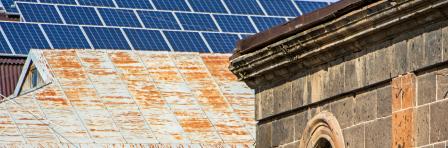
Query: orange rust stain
{"x":403,"y":129}
{"x":57,"y":100}
{"x":408,"y":86}
{"x":195,"y":125}
{"x":397,"y":92}
{"x":69,"y":74}
{"x":47,"y":93}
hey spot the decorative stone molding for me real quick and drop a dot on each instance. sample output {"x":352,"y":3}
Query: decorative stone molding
{"x":322,"y":127}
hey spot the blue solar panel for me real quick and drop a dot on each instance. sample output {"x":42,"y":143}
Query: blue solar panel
{"x":10,"y":6}
{"x":186,"y":41}
{"x":39,"y":13}
{"x":232,"y":23}
{"x":106,"y":38}
{"x":208,"y":6}
{"x":24,"y":37}
{"x":72,"y":2}
{"x":80,"y":15}
{"x":264,"y":23}
{"x":107,"y":3}
{"x":139,"y":4}
{"x":221,"y":42}
{"x":179,"y":5}
{"x":157,"y":19}
{"x":280,"y":7}
{"x":194,"y":21}
{"x":119,"y":17}
{"x":66,"y":37}
{"x":4,"y":48}
{"x":147,"y":40}
{"x":307,"y":6}
{"x":244,"y":7}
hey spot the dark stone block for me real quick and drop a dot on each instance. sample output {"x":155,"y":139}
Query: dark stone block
{"x":354,"y":136}
{"x":445,"y":43}
{"x":264,"y":133}
{"x":301,"y":119}
{"x":267,"y":103}
{"x":439,"y":121}
{"x":354,"y":73}
{"x":298,"y":92}
{"x":283,"y":131}
{"x":399,"y":60}
{"x":378,"y":65}
{"x":421,"y":121}
{"x":335,"y":79}
{"x":282,"y":98}
{"x":442,"y":84}
{"x":343,"y":111}
{"x":378,"y":133}
{"x":433,"y":47}
{"x":365,"y":107}
{"x":415,"y":52}
{"x":426,"y":89}
{"x":384,"y":101}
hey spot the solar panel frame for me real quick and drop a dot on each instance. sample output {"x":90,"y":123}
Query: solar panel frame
{"x":197,"y":22}
{"x":80,"y":15}
{"x":176,"y":5}
{"x":40,"y":13}
{"x":144,"y":39}
{"x":104,"y":3}
{"x":10,"y":6}
{"x":4,"y":44}
{"x":106,"y":38}
{"x":159,"y":20}
{"x":134,"y":4}
{"x":71,"y":37}
{"x":210,"y":6}
{"x":119,"y":17}
{"x":235,"y":23}
{"x":221,"y":42}
{"x":70,"y":2}
{"x":249,"y":7}
{"x":186,"y":41}
{"x":280,"y":7}
{"x":24,"y":36}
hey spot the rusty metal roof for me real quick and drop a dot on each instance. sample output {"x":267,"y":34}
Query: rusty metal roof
{"x":131,"y":98}
{"x":10,"y":68}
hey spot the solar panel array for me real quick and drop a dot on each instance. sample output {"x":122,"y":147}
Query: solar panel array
{"x":166,"y":25}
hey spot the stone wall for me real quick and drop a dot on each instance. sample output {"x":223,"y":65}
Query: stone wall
{"x":390,"y":94}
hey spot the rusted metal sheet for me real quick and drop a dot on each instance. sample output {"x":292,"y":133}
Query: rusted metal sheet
{"x":127,"y":97}
{"x":10,"y":69}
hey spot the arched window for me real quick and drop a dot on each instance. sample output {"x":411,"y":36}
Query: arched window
{"x":322,"y":131}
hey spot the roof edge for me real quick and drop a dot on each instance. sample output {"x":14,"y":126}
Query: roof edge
{"x":297,"y":25}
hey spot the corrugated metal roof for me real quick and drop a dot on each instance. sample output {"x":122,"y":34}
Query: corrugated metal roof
{"x":131,"y":97}
{"x":10,"y":68}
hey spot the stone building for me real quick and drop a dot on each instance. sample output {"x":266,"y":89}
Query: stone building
{"x":355,"y":74}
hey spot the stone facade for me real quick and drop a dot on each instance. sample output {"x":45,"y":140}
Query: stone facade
{"x":384,"y":88}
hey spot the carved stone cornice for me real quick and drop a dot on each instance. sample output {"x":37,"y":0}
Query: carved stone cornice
{"x":340,"y":37}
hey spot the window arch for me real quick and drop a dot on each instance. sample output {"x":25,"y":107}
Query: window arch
{"x":322,"y":131}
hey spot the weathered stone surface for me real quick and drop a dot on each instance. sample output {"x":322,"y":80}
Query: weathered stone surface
{"x":365,"y":107}
{"x":402,"y":129}
{"x":399,"y":60}
{"x":433,"y":46}
{"x":426,"y":88}
{"x":397,"y":93}
{"x":334,"y":82}
{"x":315,"y":83}
{"x":408,"y":84}
{"x":264,"y":133}
{"x":442,"y":83}
{"x":354,"y":136}
{"x":301,"y":119}
{"x":343,"y":111}
{"x":384,"y":101}
{"x":445,"y":43}
{"x":378,"y":65}
{"x":294,"y":144}
{"x":440,"y":145}
{"x":267,"y":103}
{"x":282,"y":98}
{"x":421,"y":125}
{"x":439,"y":121}
{"x":354,"y":73}
{"x":283,"y":131}
{"x":299,"y":92}
{"x":378,"y":133}
{"x":415,"y":52}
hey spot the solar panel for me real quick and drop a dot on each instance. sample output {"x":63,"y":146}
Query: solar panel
{"x":106,"y":3}
{"x":214,"y":6}
{"x":200,"y":22}
{"x":233,"y":23}
{"x":106,"y":38}
{"x":280,"y":7}
{"x":186,"y":41}
{"x":66,"y":37}
{"x":178,"y":5}
{"x":243,"y":36}
{"x":264,"y":23}
{"x":159,"y":20}
{"x":147,"y":39}
{"x":119,"y":17}
{"x":80,"y":15}
{"x":4,"y":48}
{"x":307,"y":6}
{"x":221,"y":42}
{"x":71,"y":2}
{"x":138,"y":4}
{"x":39,"y":13}
{"x":244,"y":7}
{"x":24,"y":37}
{"x":10,"y":7}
